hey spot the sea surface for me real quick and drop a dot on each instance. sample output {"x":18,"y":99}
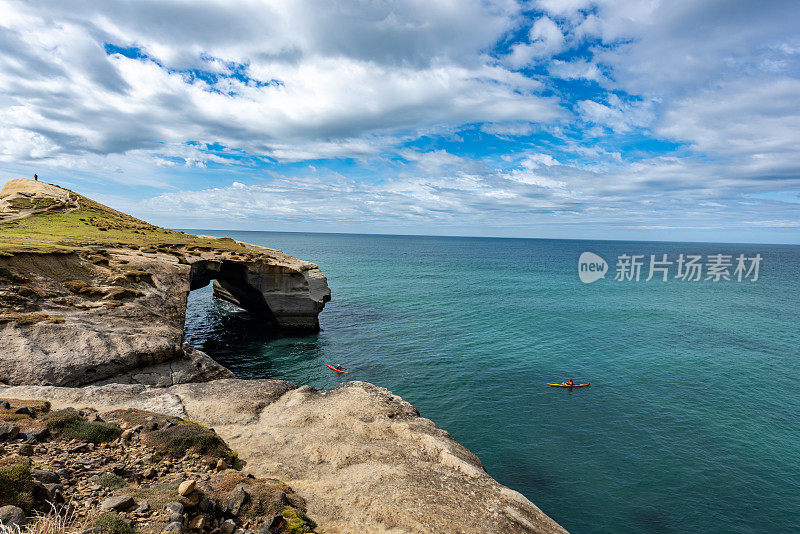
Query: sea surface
{"x":692,"y":420}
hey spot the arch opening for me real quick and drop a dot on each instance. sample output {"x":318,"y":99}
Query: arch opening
{"x":231,"y":283}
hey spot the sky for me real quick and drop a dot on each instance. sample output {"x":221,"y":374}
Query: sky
{"x":641,"y":119}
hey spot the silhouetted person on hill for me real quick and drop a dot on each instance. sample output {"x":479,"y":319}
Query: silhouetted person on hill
{"x":36,"y":177}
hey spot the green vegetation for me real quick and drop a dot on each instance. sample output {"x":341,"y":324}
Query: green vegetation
{"x":122,"y":293}
{"x":74,"y":426}
{"x":35,"y":407}
{"x":111,"y":523}
{"x":16,"y":485}
{"x":29,"y":318}
{"x":96,"y":225}
{"x":178,"y":439}
{"x":80,"y":287}
{"x":112,"y":481}
{"x":267,"y":497}
{"x":297,"y":521}
{"x":157,"y":494}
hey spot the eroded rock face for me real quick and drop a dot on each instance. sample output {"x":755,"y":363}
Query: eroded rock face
{"x":97,"y":316}
{"x":22,"y":198}
{"x":279,"y":287}
{"x":363,"y":458}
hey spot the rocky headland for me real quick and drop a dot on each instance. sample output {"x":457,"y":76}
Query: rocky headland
{"x":89,"y":294}
{"x":127,"y":422}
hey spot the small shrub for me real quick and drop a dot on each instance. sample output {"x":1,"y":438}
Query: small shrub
{"x":176,"y":440}
{"x":29,"y":318}
{"x":112,"y":481}
{"x":16,"y":485}
{"x":122,"y":293}
{"x":75,"y":285}
{"x":83,"y":288}
{"x":60,"y":419}
{"x":112,"y":523}
{"x":136,"y":274}
{"x":74,"y":426}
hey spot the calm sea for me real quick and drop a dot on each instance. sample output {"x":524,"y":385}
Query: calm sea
{"x":692,"y":421}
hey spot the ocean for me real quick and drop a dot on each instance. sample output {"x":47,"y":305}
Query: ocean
{"x":692,"y":420}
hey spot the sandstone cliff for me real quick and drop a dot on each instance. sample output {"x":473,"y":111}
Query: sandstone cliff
{"x":362,"y":458}
{"x":89,"y":294}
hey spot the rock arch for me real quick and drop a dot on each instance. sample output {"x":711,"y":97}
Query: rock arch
{"x":287,"y":292}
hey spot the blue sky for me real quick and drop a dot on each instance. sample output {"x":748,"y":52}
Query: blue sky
{"x":673,"y":120}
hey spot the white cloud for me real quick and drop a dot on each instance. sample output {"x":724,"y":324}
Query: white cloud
{"x":576,"y":70}
{"x":545,"y":39}
{"x":344,"y":80}
{"x":618,"y":115}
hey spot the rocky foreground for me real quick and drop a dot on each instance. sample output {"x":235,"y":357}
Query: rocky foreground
{"x":132,"y":471}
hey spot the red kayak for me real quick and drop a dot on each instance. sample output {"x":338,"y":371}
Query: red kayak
{"x":332,"y":368}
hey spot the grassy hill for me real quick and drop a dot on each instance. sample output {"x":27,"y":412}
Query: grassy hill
{"x":85,"y":224}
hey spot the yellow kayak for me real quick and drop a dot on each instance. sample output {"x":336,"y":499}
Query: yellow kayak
{"x":565,"y":385}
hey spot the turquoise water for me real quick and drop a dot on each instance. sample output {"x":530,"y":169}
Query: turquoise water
{"x":692,"y":422}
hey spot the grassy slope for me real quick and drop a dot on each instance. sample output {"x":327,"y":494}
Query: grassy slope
{"x":96,"y":225}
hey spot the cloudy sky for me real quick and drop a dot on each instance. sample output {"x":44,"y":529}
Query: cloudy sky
{"x":675,"y":120}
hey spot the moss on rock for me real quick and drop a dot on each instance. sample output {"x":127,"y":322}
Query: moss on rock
{"x":73,"y":425}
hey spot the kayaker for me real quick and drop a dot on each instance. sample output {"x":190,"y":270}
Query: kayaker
{"x":570,"y":382}
{"x":339,"y":368}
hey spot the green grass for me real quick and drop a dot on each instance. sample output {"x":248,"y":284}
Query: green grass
{"x":73,"y":426}
{"x":156,"y":493}
{"x":112,"y":481}
{"x":94,"y":224}
{"x":134,"y":417}
{"x":111,"y":523}
{"x":16,"y":485}
{"x":176,"y":440}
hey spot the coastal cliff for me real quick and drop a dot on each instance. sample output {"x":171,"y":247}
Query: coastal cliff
{"x":94,"y":298}
{"x":90,"y":294}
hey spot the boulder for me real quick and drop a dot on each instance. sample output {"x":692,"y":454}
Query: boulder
{"x":228,"y":526}
{"x":186,"y":487}
{"x":118,"y":503}
{"x":45,"y":477}
{"x":237,"y":499}
{"x":8,"y":431}
{"x":174,"y":527}
{"x":12,"y":516}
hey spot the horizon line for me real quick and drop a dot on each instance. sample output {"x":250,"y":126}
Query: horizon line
{"x":375,"y":234}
